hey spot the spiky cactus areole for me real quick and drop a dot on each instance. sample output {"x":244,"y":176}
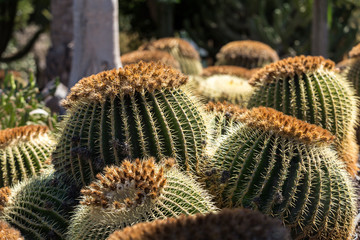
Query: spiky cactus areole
{"x":149,"y":56}
{"x":9,"y":233}
{"x":39,"y":207}
{"x":181,"y":50}
{"x":225,"y":83}
{"x":285,"y":168}
{"x":23,"y":152}
{"x":247,"y":53}
{"x":133,"y":112}
{"x":308,"y":88}
{"x":136,"y":192}
{"x":228,"y":224}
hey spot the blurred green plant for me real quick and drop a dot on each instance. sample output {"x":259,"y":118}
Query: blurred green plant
{"x":22,"y":105}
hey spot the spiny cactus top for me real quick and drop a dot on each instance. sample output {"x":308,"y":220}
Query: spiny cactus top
{"x":309,"y":89}
{"x":181,"y":50}
{"x":247,"y":54}
{"x":135,"y":192}
{"x":23,"y":152}
{"x":285,"y":168}
{"x":39,"y":207}
{"x":229,"y":224}
{"x":229,"y":70}
{"x":9,"y":233}
{"x":148,"y":56}
{"x":355,"y":51}
{"x":136,"y":111}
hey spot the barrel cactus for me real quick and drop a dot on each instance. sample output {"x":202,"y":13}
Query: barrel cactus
{"x":135,"y":192}
{"x":181,"y":50}
{"x":137,"y":111}
{"x":9,"y":233}
{"x":39,"y":207}
{"x":285,"y":168}
{"x":228,"y":224}
{"x":148,"y":56}
{"x":24,"y":152}
{"x":309,"y":89}
{"x":247,"y":53}
{"x":225,"y":83}
{"x":352,"y":71}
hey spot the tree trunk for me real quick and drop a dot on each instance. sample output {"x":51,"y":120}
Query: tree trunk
{"x":319,"y":41}
{"x":96,"y":38}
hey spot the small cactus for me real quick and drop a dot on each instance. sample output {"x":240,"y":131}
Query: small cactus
{"x":285,"y":168}
{"x":309,"y":89}
{"x":228,"y":224}
{"x":225,"y":83}
{"x":9,"y":233}
{"x":135,"y":192}
{"x":39,"y":207}
{"x":247,"y":53}
{"x":23,"y":152}
{"x":148,"y":56}
{"x":181,"y":50}
{"x":138,"y":111}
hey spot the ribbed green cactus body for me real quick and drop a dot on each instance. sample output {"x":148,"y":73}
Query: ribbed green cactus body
{"x":352,"y":73}
{"x":162,"y":123}
{"x":181,"y":195}
{"x":304,"y":185}
{"x":189,"y":66}
{"x":40,"y":207}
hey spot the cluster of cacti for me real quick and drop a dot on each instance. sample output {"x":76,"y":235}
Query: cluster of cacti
{"x":134,"y":112}
{"x":248,"y":54}
{"x":309,"y":89}
{"x":224,"y":83}
{"x":229,"y":224}
{"x":181,"y":50}
{"x":136,"y":192}
{"x":24,"y":152}
{"x":39,"y":207}
{"x":285,"y":168}
{"x":150,"y":56}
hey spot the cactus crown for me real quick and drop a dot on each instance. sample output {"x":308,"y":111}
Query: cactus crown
{"x":8,"y":232}
{"x":227,"y":108}
{"x":229,"y":70}
{"x":4,"y":197}
{"x":128,"y":80}
{"x":136,"y":181}
{"x":269,"y":119}
{"x":185,"y":48}
{"x":24,"y":133}
{"x":355,"y":51}
{"x":290,"y":67}
{"x":148,"y":56}
{"x":250,"y":49}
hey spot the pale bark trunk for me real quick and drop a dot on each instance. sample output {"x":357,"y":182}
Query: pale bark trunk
{"x":96,"y":38}
{"x":319,"y":41}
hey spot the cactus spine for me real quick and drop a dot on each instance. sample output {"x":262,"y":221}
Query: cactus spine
{"x":229,"y":224}
{"x":39,"y":207}
{"x":23,"y":152}
{"x":248,"y":54}
{"x":309,"y":89}
{"x":132,"y":193}
{"x":137,"y":111}
{"x":285,"y":168}
{"x":181,"y":50}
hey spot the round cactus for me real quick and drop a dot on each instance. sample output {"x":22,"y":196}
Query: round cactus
{"x":9,"y":233}
{"x":135,"y":192}
{"x":150,"y":56}
{"x":181,"y":50}
{"x":352,"y":72}
{"x":228,"y":224}
{"x":309,"y":89}
{"x":39,"y":207}
{"x":23,"y":152}
{"x":225,"y":83}
{"x":247,"y":53}
{"x":137,"y":111}
{"x":285,"y":168}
